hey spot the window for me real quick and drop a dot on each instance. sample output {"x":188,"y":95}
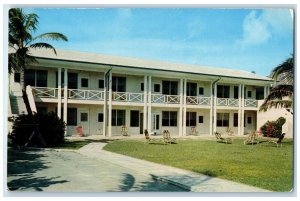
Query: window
{"x":235,"y":119}
{"x":84,"y":116}
{"x":72,"y":80}
{"x":200,"y":119}
{"x":72,"y":117}
{"x":84,"y":82}
{"x":249,"y":94}
{"x":41,"y":78}
{"x":170,"y":87}
{"x":236,"y":92}
{"x":119,"y":84}
{"x":259,"y":93}
{"x":249,"y":120}
{"x":169,"y":118}
{"x":157,"y":88}
{"x":100,"y":84}
{"x":222,"y":119}
{"x":36,"y":78}
{"x":100,"y":117}
{"x":118,"y":117}
{"x":134,"y":118}
{"x":17,"y":77}
{"x":201,"y":91}
{"x":29,"y":77}
{"x":223,"y":91}
{"x":191,"y":119}
{"x":191,"y":89}
{"x":142,"y":86}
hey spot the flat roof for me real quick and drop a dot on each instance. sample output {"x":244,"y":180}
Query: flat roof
{"x":76,"y":56}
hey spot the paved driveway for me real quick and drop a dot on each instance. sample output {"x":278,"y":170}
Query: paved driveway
{"x":66,"y":171}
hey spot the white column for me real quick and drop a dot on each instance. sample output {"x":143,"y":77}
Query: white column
{"x":110,"y":104}
{"x":145,"y":103}
{"x":211,"y":110}
{"x":215,"y":109}
{"x":265,"y":91}
{"x":184,"y":107}
{"x":65,"y":94}
{"x":181,"y":105}
{"x":105,"y":107}
{"x":65,"y":97}
{"x":242,"y":109}
{"x":149,"y":103}
{"x":59,"y":93}
{"x":239,"y":111}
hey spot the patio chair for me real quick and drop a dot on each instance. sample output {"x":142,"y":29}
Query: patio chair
{"x":279,"y":140}
{"x":252,"y":138}
{"x":223,"y":140}
{"x":229,"y":131}
{"x":167,"y":137}
{"x":148,"y":138}
{"x":193,"y":131}
{"x":124,"y":131}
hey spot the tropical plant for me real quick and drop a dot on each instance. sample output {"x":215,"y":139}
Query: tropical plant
{"x":21,"y":40}
{"x":273,"y":128}
{"x":38,"y":129}
{"x":281,"y":95}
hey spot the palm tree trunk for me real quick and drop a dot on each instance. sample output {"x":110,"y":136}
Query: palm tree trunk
{"x":25,"y":98}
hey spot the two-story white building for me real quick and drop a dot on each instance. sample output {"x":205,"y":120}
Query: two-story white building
{"x":104,"y":93}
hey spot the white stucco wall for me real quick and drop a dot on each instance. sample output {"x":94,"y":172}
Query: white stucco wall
{"x":273,"y":115}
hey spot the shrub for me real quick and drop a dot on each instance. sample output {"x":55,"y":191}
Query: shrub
{"x":273,"y":128}
{"x":49,"y":126}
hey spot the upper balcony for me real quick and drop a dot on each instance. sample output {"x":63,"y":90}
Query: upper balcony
{"x":98,"y":95}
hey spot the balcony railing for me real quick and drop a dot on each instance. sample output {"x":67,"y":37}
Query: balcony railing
{"x":85,"y":94}
{"x":128,"y":97}
{"x":230,"y":102}
{"x":44,"y":92}
{"x":168,"y":99}
{"x":250,"y":103}
{"x":197,"y":100}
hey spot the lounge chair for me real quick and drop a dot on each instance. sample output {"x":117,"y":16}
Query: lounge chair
{"x":252,"y":138}
{"x":229,"y":131}
{"x":223,"y":140}
{"x":279,"y":140}
{"x":167,"y":137}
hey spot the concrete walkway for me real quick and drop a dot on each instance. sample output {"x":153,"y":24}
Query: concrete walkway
{"x":188,"y":180}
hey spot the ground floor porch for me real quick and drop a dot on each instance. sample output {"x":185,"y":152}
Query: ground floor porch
{"x":129,"y":120}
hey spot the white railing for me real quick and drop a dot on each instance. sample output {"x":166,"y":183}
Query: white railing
{"x":44,"y":92}
{"x":128,"y":97}
{"x":85,"y":94}
{"x":231,"y":102}
{"x":250,"y":103}
{"x":197,"y":100}
{"x":161,"y":98}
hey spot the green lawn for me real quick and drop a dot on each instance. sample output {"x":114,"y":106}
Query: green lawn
{"x":262,"y":165}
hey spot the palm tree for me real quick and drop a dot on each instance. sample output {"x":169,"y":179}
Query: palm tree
{"x":21,"y":27}
{"x":281,"y":95}
{"x":21,"y":41}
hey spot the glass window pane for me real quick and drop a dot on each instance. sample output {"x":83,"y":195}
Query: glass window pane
{"x":114,"y":118}
{"x":100,"y":117}
{"x":72,"y":116}
{"x":156,"y":87}
{"x":165,"y":118}
{"x":166,"y":87}
{"x":84,"y":82}
{"x":134,"y":118}
{"x":84,"y":117}
{"x":101,"y":84}
{"x":173,"y":118}
{"x":29,"y":77}
{"x":200,"y":119}
{"x":120,"y":117}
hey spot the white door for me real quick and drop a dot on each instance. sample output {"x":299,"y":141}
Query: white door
{"x":83,"y":120}
{"x":155,"y":124}
{"x":99,"y":121}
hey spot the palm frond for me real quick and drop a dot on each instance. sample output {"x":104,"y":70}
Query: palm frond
{"x":280,"y":91}
{"x":286,"y":67}
{"x":43,"y":45}
{"x":31,"y":22}
{"x":51,"y":36}
{"x":276,"y":104}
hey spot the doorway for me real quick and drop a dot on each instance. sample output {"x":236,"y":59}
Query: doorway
{"x":83,"y":120}
{"x":141,"y":123}
{"x":155,"y":123}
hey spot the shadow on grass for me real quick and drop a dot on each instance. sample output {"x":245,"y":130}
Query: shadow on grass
{"x":21,"y":167}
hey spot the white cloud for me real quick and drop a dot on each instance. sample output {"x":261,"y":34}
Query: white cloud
{"x":260,"y":28}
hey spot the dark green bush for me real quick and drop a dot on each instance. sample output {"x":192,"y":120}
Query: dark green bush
{"x":49,"y":126}
{"x":273,"y":128}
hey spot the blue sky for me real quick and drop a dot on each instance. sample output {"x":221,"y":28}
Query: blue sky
{"x":247,"y":39}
